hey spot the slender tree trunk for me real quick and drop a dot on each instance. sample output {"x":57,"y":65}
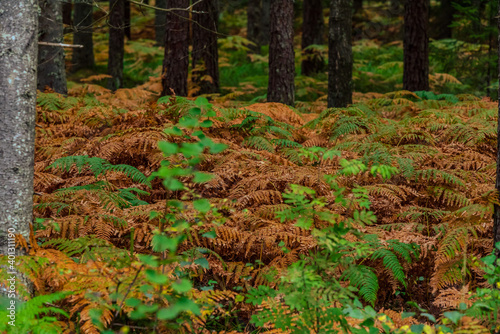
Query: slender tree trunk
{"x":312,"y":33}
{"x":116,"y":43}
{"x":445,"y":19}
{"x":83,"y":57}
{"x":358,"y":6}
{"x":281,"y":86}
{"x":340,"y":54}
{"x":254,"y":21}
{"x":160,"y":22}
{"x":496,"y":212}
{"x":205,"y":71}
{"x":264,"y":33}
{"x":176,"y":61}
{"x":416,"y":46}
{"x":51,"y":67}
{"x":128,"y":32}
{"x":66,"y":12}
{"x":18,"y":68}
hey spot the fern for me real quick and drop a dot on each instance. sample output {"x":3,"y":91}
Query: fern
{"x":365,"y":280}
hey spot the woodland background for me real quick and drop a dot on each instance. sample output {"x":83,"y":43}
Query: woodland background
{"x":264,"y":167}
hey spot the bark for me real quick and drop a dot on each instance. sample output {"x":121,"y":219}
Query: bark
{"x":176,"y":60}
{"x":116,"y":43}
{"x":340,"y":54}
{"x":264,"y":33}
{"x":358,"y":6}
{"x":496,"y":212}
{"x":128,"y":32}
{"x":312,"y":33}
{"x":281,"y":86}
{"x":51,"y":66}
{"x":254,"y":21}
{"x":445,"y":19}
{"x":66,"y":12}
{"x":18,"y":69}
{"x":83,"y":57}
{"x":416,"y":46}
{"x":160,"y":22}
{"x":205,"y":71}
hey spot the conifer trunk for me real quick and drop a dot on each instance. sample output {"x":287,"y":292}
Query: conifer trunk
{"x":116,"y":43}
{"x":18,"y":69}
{"x":128,"y":32}
{"x":51,"y":66}
{"x":416,"y":46}
{"x":83,"y":57}
{"x":281,"y":86}
{"x":340,"y":54}
{"x":496,"y":211}
{"x":254,"y":22}
{"x":264,"y":33}
{"x":205,"y":71}
{"x":176,"y":61}
{"x":312,"y":33}
{"x":160,"y":22}
{"x":445,"y":19}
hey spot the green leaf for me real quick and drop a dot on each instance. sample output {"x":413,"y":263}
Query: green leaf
{"x":210,"y":234}
{"x":200,"y":177}
{"x":206,"y":123}
{"x":168,"y":148}
{"x":188,"y":122}
{"x":202,"y":102}
{"x":162,"y":243}
{"x":454,"y":316}
{"x":168,"y":313}
{"x":417,"y":328}
{"x":174,"y":131}
{"x":173,"y":184}
{"x":202,"y":205}
{"x":429,"y":316}
{"x":132,"y":302}
{"x":202,"y":262}
{"x":191,"y":149}
{"x":182,"y":286}
{"x":217,"y":148}
{"x":148,"y":260}
{"x":405,"y":315}
{"x":155,"y":277}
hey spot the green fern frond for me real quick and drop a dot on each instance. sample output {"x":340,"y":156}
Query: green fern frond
{"x":364,"y":279}
{"x":260,"y":143}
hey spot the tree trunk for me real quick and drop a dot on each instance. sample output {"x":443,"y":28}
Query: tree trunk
{"x":51,"y":67}
{"x":264,"y":33}
{"x":340,"y":54}
{"x":281,"y":86}
{"x":66,"y":12}
{"x":445,"y":19}
{"x":116,"y":43}
{"x":128,"y":32}
{"x":18,"y":68}
{"x":416,"y":46}
{"x":176,"y":61}
{"x":496,"y":212}
{"x":254,"y":22}
{"x":160,"y":21}
{"x":358,"y":6}
{"x":205,"y":71}
{"x":83,"y":57}
{"x":312,"y":33}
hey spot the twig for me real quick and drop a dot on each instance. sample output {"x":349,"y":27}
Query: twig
{"x":164,"y":9}
{"x":61,"y":44}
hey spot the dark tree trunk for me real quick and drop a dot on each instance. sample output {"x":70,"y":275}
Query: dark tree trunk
{"x":160,"y":21}
{"x":128,"y":32}
{"x":312,"y":33}
{"x":205,"y":71}
{"x":83,"y":57}
{"x":416,"y":46}
{"x":51,"y":67}
{"x":176,"y":61}
{"x":18,"y":66}
{"x":340,"y":54}
{"x":496,"y":212}
{"x":264,"y":33}
{"x":445,"y":19}
{"x":358,"y":6}
{"x":254,"y":22}
{"x":66,"y":13}
{"x":116,"y":43}
{"x":281,"y":86}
